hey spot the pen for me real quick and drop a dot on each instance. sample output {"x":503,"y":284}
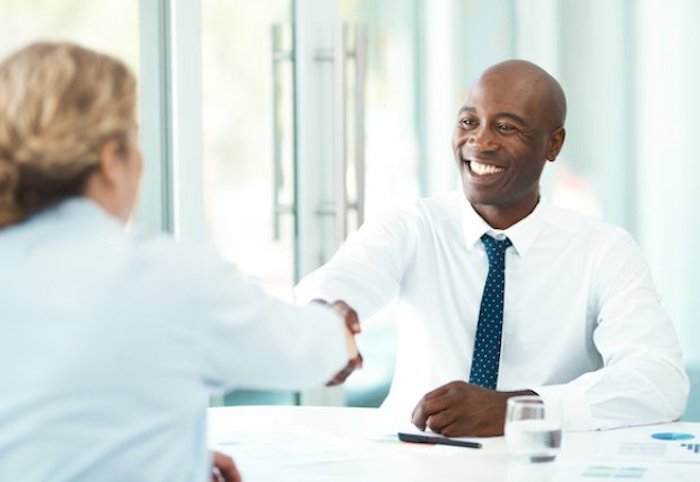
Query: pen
{"x":428,"y":439}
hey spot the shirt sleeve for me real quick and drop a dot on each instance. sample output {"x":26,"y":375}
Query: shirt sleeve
{"x":366,"y":271}
{"x":249,"y":339}
{"x":642,"y":380}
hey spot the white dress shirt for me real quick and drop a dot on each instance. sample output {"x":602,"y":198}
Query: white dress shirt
{"x":582,"y":321}
{"x":111,"y":344}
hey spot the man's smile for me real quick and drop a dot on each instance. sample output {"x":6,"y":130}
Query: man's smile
{"x":482,"y":169}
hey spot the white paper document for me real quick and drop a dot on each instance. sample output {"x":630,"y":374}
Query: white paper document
{"x":290,"y":447}
{"x":660,"y":451}
{"x":653,"y":451}
{"x":635,"y":454}
{"x":616,"y":471}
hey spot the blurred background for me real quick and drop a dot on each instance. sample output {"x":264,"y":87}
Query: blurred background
{"x":272,"y":129}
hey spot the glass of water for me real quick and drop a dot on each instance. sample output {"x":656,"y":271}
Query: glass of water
{"x":532,"y":429}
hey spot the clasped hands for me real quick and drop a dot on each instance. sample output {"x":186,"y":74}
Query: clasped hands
{"x":352,"y":328}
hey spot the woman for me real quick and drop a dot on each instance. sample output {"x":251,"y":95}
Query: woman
{"x":111,"y":344}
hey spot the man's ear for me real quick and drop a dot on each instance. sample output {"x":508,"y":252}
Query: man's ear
{"x":111,"y":163}
{"x":555,"y":143}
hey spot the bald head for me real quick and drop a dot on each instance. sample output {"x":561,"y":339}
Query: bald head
{"x":526,"y":79}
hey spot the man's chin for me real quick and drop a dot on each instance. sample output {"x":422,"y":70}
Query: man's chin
{"x":476,"y":198}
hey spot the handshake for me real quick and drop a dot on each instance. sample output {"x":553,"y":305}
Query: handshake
{"x":352,"y":328}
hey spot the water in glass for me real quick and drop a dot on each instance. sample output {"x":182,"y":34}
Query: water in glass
{"x":532,"y":429}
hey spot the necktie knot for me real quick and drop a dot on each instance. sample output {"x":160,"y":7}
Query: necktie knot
{"x":495,"y":249}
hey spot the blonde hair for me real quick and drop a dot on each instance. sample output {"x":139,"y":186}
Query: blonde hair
{"x":59,"y":104}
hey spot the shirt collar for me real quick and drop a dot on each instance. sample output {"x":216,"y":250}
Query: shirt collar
{"x":522,"y":234}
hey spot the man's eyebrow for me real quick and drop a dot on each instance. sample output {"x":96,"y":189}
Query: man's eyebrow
{"x":466,"y":108}
{"x":471,"y":110}
{"x":515,"y":117}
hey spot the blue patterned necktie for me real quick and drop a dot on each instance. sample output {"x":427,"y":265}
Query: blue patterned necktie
{"x":487,"y":345}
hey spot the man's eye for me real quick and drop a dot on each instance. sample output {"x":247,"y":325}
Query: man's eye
{"x":468,"y":122}
{"x":507,"y":128}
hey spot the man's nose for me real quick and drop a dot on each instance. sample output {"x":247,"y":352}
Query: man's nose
{"x":481,"y":138}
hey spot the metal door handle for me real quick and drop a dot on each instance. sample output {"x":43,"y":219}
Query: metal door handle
{"x":360,"y":77}
{"x":340,"y":135}
{"x":339,"y":55}
{"x":279,"y":56}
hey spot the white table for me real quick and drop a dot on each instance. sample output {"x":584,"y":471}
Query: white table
{"x":277,"y":443}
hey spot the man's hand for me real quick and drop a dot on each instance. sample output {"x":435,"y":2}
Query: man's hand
{"x":223,"y":469}
{"x":352,"y":322}
{"x":460,"y":409}
{"x":352,"y":325}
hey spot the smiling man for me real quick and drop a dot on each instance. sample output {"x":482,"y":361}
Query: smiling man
{"x":511,"y":124}
{"x":499,"y":294}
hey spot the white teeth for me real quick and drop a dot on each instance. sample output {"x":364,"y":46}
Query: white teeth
{"x":482,"y":169}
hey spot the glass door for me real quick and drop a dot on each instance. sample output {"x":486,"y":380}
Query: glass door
{"x":247,"y":74}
